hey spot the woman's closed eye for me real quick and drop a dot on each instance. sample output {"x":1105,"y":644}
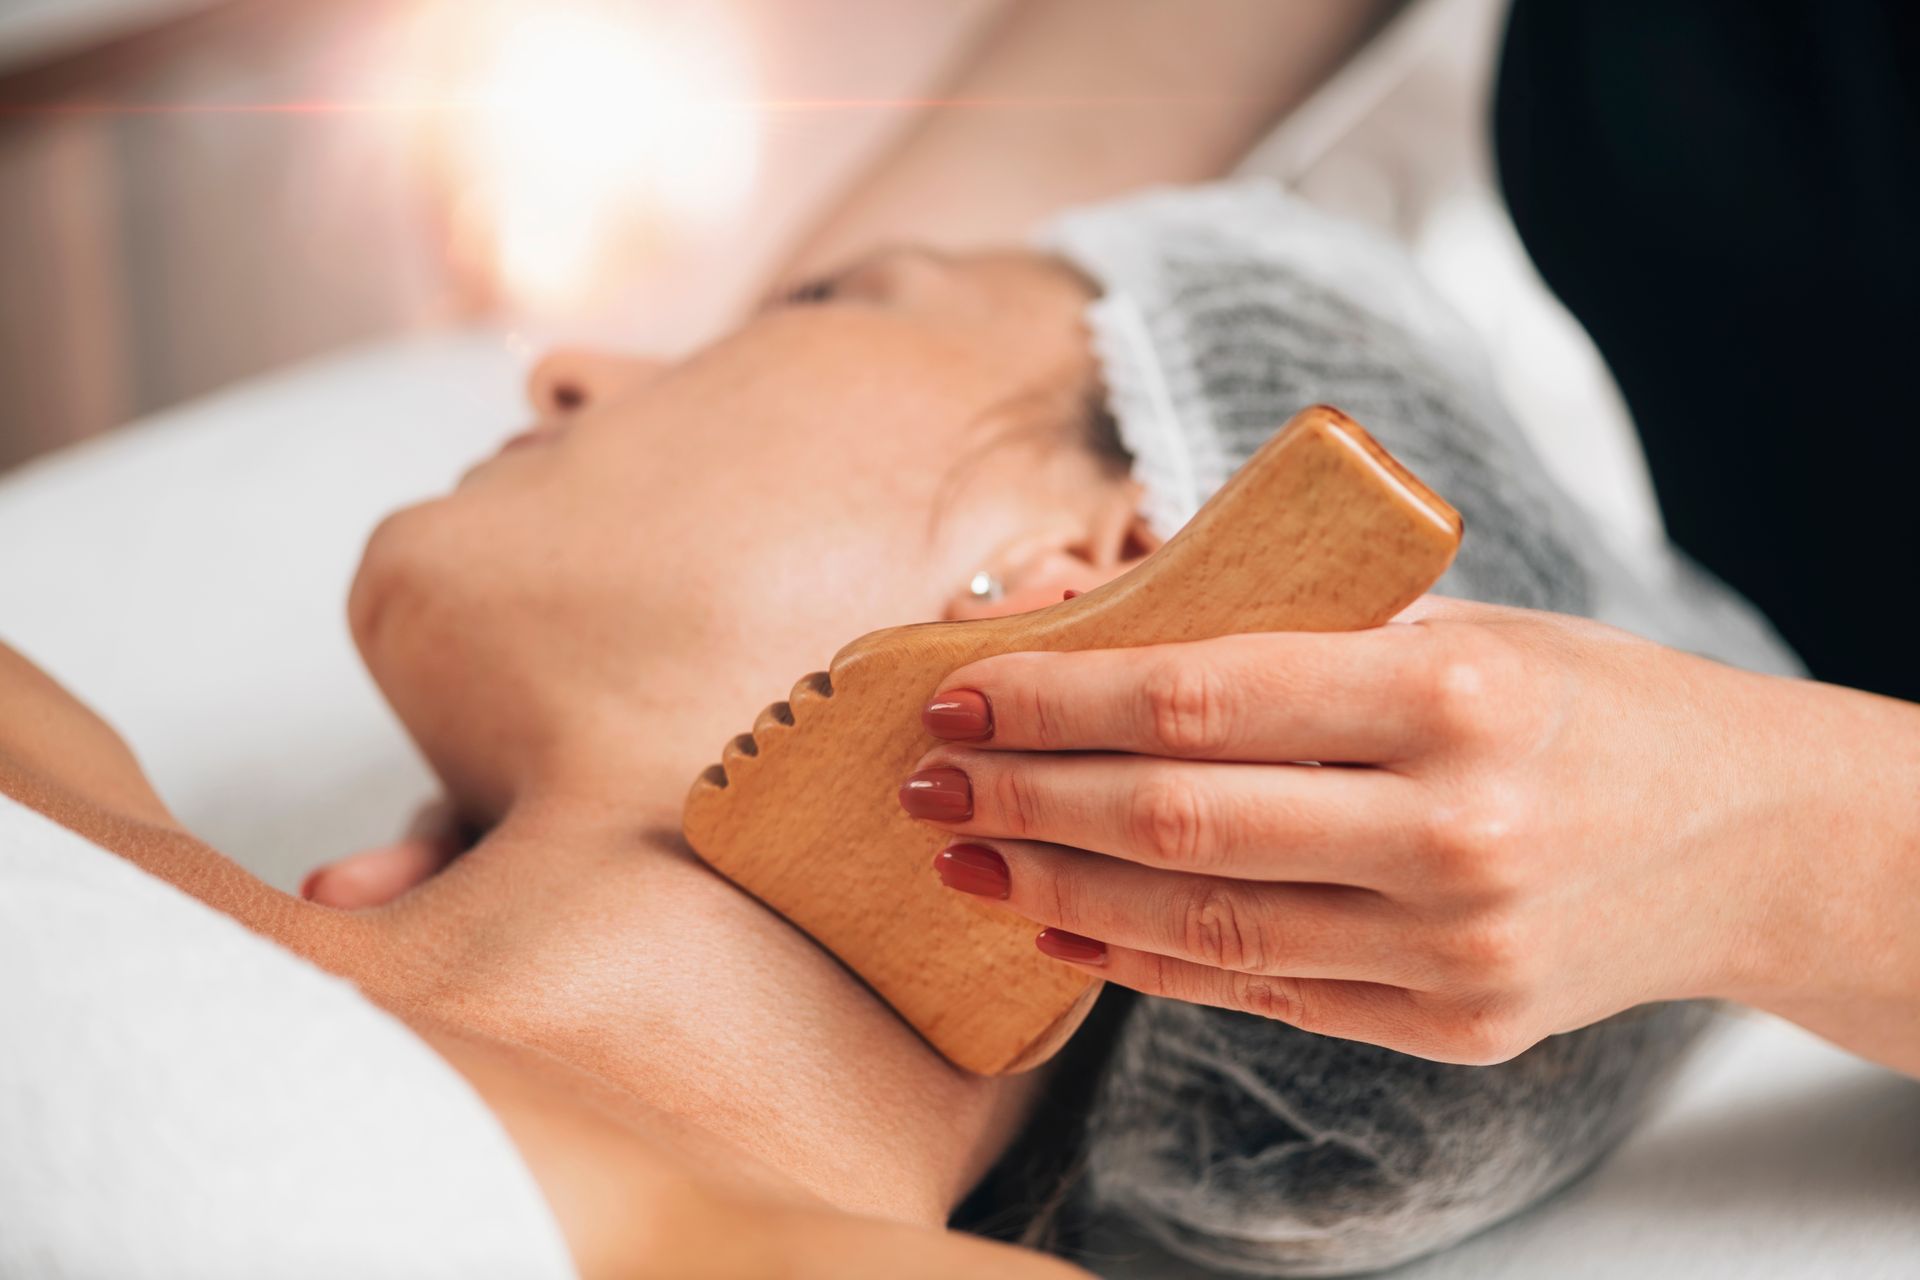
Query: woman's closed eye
{"x":809,"y":292}
{"x":886,"y":276}
{"x":812,"y":292}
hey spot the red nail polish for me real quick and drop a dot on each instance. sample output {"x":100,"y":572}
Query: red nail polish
{"x":1062,"y":945}
{"x":307,"y":886}
{"x":939,"y":795}
{"x":958,"y":714}
{"x":1069,"y":594}
{"x":974,"y":869}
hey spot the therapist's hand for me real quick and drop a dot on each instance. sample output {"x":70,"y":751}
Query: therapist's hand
{"x":1525,"y":822}
{"x":374,"y":877}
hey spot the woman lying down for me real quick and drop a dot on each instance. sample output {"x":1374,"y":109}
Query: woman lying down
{"x":695,"y":1088}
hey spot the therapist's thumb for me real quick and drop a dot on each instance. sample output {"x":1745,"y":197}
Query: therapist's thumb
{"x":1432,"y":608}
{"x":376,"y":876}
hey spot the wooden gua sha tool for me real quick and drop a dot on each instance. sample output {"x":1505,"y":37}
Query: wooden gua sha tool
{"x":1320,"y":531}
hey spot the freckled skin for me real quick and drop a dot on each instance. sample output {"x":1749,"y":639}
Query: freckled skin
{"x":569,"y":637}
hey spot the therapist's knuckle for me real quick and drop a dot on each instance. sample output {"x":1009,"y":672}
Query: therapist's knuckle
{"x":1026,"y":709}
{"x":1219,"y":928}
{"x":1017,"y":809}
{"x":1159,"y":975}
{"x":1493,"y":952}
{"x":1481,"y":1033}
{"x":1478,"y":845}
{"x":1186,"y":707}
{"x":1064,"y":898}
{"x":1280,"y":998}
{"x":1167,"y":823}
{"x":1456,"y":682}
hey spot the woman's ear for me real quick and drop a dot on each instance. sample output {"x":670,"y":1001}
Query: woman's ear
{"x":1071,"y":556}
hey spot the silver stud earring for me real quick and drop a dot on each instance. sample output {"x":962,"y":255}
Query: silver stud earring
{"x":985,"y":587}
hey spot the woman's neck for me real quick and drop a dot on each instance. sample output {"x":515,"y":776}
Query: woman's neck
{"x":583,"y":926}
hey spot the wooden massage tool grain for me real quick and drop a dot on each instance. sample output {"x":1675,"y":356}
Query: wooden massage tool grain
{"x":1320,"y":531}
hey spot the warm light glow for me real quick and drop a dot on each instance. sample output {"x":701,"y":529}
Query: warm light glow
{"x":595,"y":127}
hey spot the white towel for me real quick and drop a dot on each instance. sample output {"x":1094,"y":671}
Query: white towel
{"x":181,"y":1098}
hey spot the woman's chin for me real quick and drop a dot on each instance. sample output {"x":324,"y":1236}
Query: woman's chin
{"x":376,"y":579}
{"x":404,"y":606}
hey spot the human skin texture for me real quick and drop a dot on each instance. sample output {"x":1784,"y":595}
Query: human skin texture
{"x":1557,"y":821}
{"x":1539,"y":821}
{"x":1063,"y":102}
{"x":569,"y":637}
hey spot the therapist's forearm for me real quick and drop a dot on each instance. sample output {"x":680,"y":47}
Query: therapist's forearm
{"x":1835,"y":922}
{"x":1074,"y":100}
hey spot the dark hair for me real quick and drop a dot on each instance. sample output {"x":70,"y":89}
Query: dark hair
{"x":1102,"y":428}
{"x":1026,"y":1198}
{"x":1042,"y":414}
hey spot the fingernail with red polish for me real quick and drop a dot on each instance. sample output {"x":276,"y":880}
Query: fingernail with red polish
{"x":1062,"y":945}
{"x":312,"y":881}
{"x":974,"y":869}
{"x":939,"y":795}
{"x":959,"y":714}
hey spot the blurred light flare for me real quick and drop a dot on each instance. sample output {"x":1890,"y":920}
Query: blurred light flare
{"x":574,"y":140}
{"x":593,"y":126}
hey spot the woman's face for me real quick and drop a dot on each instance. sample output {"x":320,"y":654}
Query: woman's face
{"x":671,"y":546}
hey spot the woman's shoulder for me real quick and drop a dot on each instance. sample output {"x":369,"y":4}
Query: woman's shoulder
{"x":226,"y":1106}
{"x":633,"y":1196}
{"x":61,"y":758}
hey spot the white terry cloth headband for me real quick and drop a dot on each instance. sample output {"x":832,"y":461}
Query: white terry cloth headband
{"x":1234,"y":1142}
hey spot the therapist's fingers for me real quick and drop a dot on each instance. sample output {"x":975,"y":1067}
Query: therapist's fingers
{"x":1299,"y":930}
{"x":1248,"y":821}
{"x":1433,"y":608}
{"x":374,"y":877}
{"x":1376,"y":1013}
{"x":1350,"y":696}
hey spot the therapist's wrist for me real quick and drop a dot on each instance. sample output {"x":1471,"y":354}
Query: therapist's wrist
{"x":1825,"y":934}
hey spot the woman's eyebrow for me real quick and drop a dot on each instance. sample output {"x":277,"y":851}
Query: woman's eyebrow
{"x":875,"y":276}
{"x":891,"y":253}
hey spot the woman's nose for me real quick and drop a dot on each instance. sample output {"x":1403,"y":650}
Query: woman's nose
{"x":567,"y":381}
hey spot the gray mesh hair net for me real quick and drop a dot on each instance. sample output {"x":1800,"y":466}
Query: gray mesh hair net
{"x":1232,"y":1144}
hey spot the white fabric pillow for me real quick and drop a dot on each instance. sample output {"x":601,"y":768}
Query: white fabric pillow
{"x":187,"y":577}
{"x":181,"y":1098}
